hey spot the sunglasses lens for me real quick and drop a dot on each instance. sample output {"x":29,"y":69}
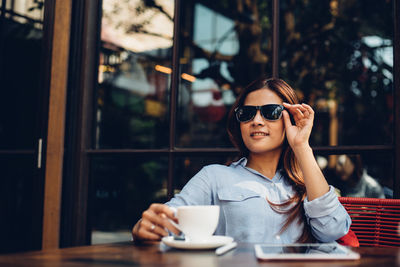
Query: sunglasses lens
{"x":272,"y":112}
{"x":245,"y":113}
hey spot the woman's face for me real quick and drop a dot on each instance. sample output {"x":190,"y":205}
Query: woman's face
{"x":260,"y":135}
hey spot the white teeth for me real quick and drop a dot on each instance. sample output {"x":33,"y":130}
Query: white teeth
{"x":258,"y":134}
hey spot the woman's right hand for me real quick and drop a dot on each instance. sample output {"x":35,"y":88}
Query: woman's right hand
{"x":154,"y":223}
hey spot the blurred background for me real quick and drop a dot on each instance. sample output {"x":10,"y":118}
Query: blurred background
{"x":149,"y":108}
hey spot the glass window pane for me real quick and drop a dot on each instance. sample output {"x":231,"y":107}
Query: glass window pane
{"x":19,"y":204}
{"x":20,"y":73}
{"x":122,"y":188}
{"x":224,"y":46}
{"x":134,"y":74}
{"x":339,"y":56}
{"x":360,"y":175}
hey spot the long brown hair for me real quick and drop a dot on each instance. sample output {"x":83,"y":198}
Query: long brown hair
{"x":288,"y":162}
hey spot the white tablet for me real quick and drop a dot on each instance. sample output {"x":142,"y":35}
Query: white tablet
{"x":323,"y":251}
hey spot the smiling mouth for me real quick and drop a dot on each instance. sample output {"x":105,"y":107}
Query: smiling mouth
{"x":259,"y":134}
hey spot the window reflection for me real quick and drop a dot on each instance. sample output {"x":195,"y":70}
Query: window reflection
{"x":20,"y":72}
{"x":21,"y":116}
{"x":122,"y":188}
{"x":134,"y":80}
{"x":359,"y":175}
{"x":341,"y":62}
{"x":225,"y":46}
{"x":19,"y":205}
{"x":24,"y":11}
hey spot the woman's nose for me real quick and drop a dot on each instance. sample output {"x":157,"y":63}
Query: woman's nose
{"x":258,"y":118}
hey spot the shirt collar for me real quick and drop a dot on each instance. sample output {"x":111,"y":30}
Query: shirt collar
{"x":243,"y":161}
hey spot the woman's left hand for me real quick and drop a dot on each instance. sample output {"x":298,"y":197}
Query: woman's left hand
{"x":303,"y":115}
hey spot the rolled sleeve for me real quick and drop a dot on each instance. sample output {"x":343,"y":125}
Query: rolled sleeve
{"x":322,"y":206}
{"x":327,"y":217}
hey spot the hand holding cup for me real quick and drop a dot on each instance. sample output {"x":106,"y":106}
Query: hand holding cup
{"x":155,"y":222}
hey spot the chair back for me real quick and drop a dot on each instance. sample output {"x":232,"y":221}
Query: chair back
{"x":375,"y":221}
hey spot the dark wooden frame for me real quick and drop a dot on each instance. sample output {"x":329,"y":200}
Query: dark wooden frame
{"x":85,"y":42}
{"x":76,"y":228}
{"x":396,"y":97}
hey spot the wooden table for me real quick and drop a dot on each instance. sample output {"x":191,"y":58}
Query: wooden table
{"x":127,"y":254}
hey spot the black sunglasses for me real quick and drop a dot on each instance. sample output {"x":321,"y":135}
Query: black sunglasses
{"x":271,"y":112}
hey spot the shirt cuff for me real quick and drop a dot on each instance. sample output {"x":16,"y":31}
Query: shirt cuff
{"x":323,"y":205}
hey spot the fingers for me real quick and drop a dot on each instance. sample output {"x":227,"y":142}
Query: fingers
{"x":155,"y":222}
{"x":144,"y":233}
{"x":308,"y":110}
{"x":151,"y":231}
{"x":170,"y":226}
{"x":163,"y":209}
{"x":300,"y":111}
{"x":286,"y":119}
{"x":140,"y":232}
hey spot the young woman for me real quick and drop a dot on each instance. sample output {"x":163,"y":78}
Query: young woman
{"x":275,"y":192}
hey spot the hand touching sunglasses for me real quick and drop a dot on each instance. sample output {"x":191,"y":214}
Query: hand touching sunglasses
{"x":271,"y":112}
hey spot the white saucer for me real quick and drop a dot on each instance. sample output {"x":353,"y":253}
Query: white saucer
{"x":214,"y":242}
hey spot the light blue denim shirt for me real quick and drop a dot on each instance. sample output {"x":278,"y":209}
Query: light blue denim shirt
{"x":246,"y":215}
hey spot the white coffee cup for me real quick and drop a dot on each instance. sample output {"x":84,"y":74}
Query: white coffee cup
{"x":198,"y":223}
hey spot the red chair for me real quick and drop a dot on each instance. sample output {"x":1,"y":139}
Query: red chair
{"x":375,"y":221}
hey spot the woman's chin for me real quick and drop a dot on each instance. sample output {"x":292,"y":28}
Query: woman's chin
{"x":266,"y":150}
